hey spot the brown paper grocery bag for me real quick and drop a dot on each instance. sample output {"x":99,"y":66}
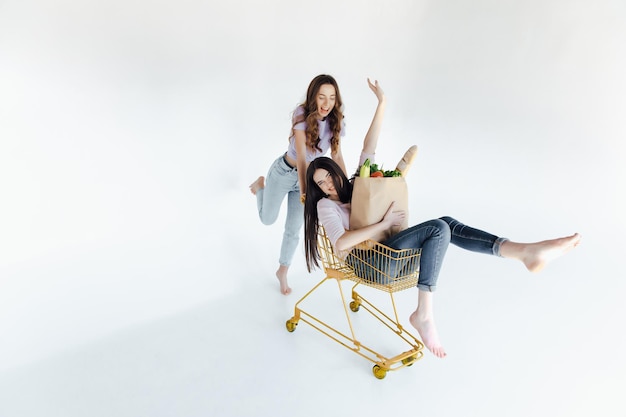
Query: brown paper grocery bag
{"x":371,"y":197}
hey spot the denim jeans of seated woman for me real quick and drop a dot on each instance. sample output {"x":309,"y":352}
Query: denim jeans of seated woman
{"x":433,"y":238}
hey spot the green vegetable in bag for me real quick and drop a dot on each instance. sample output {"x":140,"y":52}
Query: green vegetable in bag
{"x":365,"y":169}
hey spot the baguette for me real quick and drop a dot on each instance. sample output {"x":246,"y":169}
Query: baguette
{"x":406,"y":161}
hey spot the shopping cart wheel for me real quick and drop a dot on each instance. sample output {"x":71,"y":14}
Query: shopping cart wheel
{"x":354,"y":306}
{"x":409,"y":361}
{"x":379,"y":372}
{"x":291,"y":325}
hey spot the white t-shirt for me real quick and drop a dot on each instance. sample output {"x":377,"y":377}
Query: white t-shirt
{"x":325,"y":135}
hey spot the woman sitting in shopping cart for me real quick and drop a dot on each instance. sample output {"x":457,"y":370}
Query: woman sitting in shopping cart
{"x":327,"y":204}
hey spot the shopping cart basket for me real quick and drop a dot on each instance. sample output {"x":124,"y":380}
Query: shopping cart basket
{"x":373,"y":265}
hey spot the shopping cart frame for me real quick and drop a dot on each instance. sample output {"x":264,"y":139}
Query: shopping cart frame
{"x":373,"y":265}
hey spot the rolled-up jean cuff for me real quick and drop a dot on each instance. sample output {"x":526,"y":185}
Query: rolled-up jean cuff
{"x":497,"y":245}
{"x":424,"y":287}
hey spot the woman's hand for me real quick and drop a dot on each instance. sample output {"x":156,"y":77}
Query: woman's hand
{"x":394,"y":217}
{"x":371,"y":137}
{"x":380,"y":94}
{"x":351,"y":238}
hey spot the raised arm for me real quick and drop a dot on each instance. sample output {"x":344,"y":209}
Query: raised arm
{"x":371,"y":138}
{"x":337,"y":156}
{"x":352,"y":238}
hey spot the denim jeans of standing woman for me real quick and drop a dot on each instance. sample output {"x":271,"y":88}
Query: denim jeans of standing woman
{"x":281,"y":181}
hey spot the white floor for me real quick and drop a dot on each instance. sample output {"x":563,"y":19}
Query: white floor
{"x":135,"y":276}
{"x":530,"y":345}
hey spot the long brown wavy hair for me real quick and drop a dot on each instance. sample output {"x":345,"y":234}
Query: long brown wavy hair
{"x":314,"y":193}
{"x":335,"y":117}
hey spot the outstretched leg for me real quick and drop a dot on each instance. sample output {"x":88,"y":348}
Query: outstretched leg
{"x":535,"y":256}
{"x":423,"y":321}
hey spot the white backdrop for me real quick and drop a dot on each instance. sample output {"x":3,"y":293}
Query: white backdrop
{"x":130,"y":130}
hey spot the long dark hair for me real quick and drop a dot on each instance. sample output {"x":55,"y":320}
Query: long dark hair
{"x":335,"y":117}
{"x":313,"y":195}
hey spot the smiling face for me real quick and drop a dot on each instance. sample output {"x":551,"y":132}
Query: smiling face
{"x":325,"y":99}
{"x":324,"y":180}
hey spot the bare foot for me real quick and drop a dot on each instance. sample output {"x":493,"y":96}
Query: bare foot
{"x":428,"y":332}
{"x":537,"y":255}
{"x":281,"y":274}
{"x":257,"y":185}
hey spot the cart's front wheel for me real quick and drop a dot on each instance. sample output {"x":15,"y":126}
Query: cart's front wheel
{"x":291,"y":325}
{"x":379,"y":372}
{"x":354,"y":306}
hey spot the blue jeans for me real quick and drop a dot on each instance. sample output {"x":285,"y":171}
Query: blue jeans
{"x":281,"y":181}
{"x":433,"y":238}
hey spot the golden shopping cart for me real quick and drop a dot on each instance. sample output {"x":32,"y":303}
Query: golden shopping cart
{"x":377,"y":266}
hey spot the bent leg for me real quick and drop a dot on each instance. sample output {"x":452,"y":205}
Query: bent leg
{"x":280,"y":181}
{"x":433,"y":238}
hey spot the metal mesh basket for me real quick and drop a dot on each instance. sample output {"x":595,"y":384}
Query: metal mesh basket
{"x":372,"y":264}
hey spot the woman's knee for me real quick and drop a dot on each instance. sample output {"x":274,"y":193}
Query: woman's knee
{"x":441,"y":228}
{"x":268,"y":219}
{"x":449,"y":221}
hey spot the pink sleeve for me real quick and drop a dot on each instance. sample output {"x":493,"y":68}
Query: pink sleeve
{"x":330,"y":217}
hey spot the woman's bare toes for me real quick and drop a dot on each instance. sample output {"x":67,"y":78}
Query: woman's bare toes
{"x":257,"y":185}
{"x":428,"y":332}
{"x":543,"y":252}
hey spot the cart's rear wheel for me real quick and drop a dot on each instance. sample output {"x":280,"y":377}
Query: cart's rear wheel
{"x":379,"y":372}
{"x":291,"y":325}
{"x":354,"y":306}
